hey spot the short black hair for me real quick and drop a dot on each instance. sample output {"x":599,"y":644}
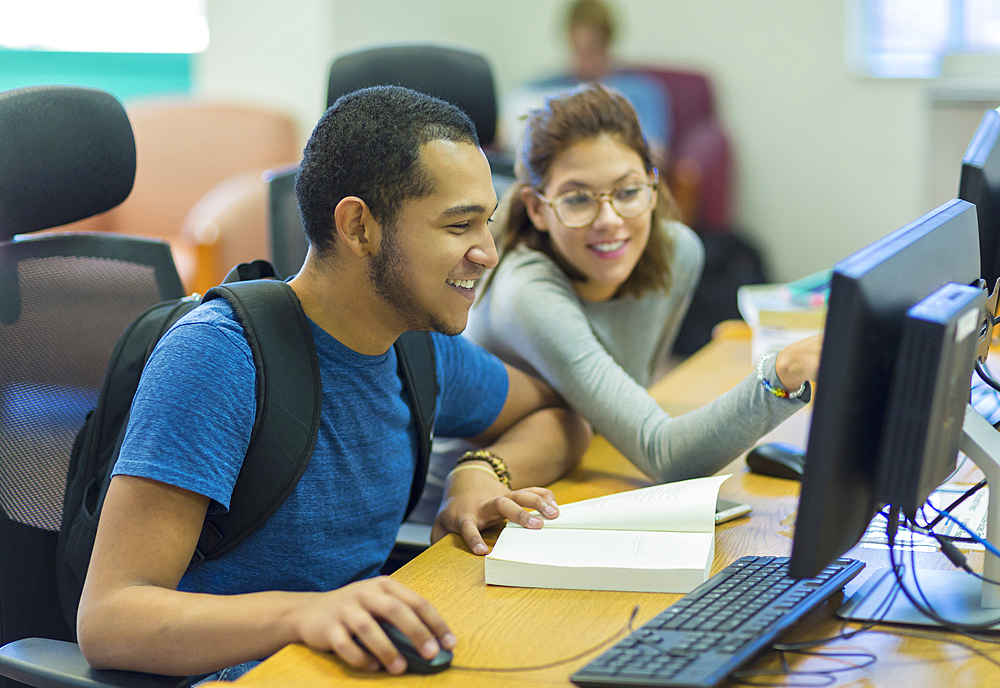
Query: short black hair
{"x":367,"y":144}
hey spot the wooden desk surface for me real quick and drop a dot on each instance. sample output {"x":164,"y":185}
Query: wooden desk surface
{"x":518,"y":627}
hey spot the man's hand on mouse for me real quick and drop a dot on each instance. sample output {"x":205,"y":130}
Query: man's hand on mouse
{"x":345,"y":621}
{"x":475,"y":500}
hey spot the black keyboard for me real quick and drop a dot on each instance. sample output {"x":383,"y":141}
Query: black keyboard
{"x":718,"y":627}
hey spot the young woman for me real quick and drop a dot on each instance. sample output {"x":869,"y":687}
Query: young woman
{"x":594,"y":280}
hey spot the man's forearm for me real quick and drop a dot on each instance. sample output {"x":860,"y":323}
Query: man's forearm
{"x":542,"y":447}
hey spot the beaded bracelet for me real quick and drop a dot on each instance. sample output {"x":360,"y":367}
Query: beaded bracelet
{"x":777,"y":391}
{"x":495,"y":462}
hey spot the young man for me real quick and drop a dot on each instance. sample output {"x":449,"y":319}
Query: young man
{"x":395,"y":195}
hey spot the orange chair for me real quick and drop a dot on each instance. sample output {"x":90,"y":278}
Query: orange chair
{"x":198,"y":183}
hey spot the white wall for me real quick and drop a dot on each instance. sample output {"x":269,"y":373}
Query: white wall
{"x":269,"y":53}
{"x":826,"y":161}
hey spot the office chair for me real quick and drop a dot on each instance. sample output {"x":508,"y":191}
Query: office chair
{"x":289,"y":244}
{"x":66,"y":153}
{"x":462,"y":78}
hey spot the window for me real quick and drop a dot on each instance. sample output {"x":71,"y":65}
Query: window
{"x":909,"y":38}
{"x":104,"y":26}
{"x":131,"y":48}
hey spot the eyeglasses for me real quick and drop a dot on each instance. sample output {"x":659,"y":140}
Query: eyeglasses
{"x":578,"y":208}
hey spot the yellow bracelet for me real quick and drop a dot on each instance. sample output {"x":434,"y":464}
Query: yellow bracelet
{"x":469,"y":465}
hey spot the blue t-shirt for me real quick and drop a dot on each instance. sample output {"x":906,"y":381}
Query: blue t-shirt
{"x":190,"y":427}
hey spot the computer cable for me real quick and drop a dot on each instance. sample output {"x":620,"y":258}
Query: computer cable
{"x":925,"y":606}
{"x":967,"y":630}
{"x":955,"y":556}
{"x":549,"y":665}
{"x":972,"y":534}
{"x":827,"y":676}
{"x":786,"y":672}
{"x":985,"y":375}
{"x":929,"y":525}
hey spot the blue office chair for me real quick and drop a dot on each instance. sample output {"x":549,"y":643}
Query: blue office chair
{"x":66,"y":153}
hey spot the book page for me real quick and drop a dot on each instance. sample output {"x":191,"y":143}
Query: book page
{"x":686,"y":506}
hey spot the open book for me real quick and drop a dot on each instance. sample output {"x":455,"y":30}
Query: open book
{"x":655,"y":539}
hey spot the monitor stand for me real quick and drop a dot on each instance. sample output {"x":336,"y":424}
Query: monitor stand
{"x":954,"y":595}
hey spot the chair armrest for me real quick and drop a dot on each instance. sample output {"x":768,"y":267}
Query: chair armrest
{"x":228,"y":226}
{"x":46,"y":663}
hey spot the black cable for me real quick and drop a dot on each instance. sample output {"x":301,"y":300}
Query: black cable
{"x":985,"y":376}
{"x":827,"y":676}
{"x":968,"y":493}
{"x":558,"y":662}
{"x":926,"y":608}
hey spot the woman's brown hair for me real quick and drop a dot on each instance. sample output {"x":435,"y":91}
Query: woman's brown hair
{"x":566,"y":119}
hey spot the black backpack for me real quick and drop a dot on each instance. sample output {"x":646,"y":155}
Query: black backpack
{"x":284,"y":431}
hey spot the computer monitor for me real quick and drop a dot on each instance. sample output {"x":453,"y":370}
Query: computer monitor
{"x":863,"y":397}
{"x":980,"y":185}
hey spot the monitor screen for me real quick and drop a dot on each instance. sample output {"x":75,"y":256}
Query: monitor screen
{"x":870,"y":294}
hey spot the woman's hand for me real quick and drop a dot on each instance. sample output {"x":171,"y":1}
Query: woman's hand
{"x":799,"y":362}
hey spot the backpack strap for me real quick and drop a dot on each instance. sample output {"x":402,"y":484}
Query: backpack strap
{"x":417,"y":369}
{"x":281,"y":443}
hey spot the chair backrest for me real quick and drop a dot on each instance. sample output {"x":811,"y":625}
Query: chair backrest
{"x":185,"y":148}
{"x":701,"y":142}
{"x":65,"y":154}
{"x":691,"y":97}
{"x":289,"y":244}
{"x":459,"y":77}
{"x":64,"y":301}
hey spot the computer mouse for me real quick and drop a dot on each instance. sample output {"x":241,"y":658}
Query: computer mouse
{"x":777,"y":459}
{"x":415,"y":664}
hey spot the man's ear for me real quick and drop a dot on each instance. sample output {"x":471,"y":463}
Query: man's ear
{"x":533,"y":204}
{"x":356,"y":226}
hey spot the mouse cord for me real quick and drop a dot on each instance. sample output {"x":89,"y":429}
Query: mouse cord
{"x":538,"y":667}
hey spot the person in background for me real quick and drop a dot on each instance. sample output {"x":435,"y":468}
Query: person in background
{"x":593,"y":281}
{"x":591,"y":29}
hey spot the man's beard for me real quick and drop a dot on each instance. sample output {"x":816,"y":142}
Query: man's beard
{"x":389,"y":275}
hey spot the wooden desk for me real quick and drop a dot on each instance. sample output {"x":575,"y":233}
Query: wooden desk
{"x":514,"y":627}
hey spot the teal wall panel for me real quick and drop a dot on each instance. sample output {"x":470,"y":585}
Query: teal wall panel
{"x":125,"y":75}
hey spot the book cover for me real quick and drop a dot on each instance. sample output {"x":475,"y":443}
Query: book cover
{"x":655,"y":539}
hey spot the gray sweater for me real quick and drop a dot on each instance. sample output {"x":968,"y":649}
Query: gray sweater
{"x":601,"y":357}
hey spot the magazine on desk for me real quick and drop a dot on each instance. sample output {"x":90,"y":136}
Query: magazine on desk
{"x":655,"y":539}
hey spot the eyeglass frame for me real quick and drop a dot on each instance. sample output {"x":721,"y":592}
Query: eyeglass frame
{"x":600,"y":198}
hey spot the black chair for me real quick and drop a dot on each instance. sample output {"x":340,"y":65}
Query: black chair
{"x":457,"y":76}
{"x":66,"y":153}
{"x":289,"y":244}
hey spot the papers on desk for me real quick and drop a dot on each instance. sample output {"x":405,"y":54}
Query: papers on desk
{"x":655,"y":539}
{"x":781,"y":314}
